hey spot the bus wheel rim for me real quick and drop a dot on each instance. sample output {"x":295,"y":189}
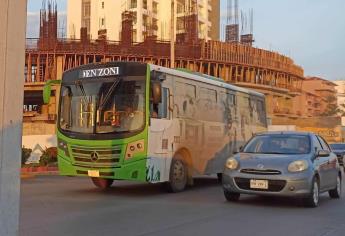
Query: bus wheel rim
{"x":179,"y":171}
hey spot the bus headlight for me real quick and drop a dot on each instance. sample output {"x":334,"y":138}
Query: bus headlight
{"x":63,"y":146}
{"x":134,"y":148}
{"x":298,"y":166}
{"x":231,"y":163}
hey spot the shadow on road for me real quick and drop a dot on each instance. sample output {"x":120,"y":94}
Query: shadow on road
{"x":276,"y":202}
{"x":130,"y":189}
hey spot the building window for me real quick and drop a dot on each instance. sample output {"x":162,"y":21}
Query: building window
{"x":86,"y":6}
{"x":145,"y":4}
{"x":102,"y":5}
{"x":180,"y":8}
{"x":133,"y":4}
{"x":155,"y":7}
{"x":102,"y":23}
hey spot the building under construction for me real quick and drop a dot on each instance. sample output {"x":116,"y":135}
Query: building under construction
{"x":239,"y":63}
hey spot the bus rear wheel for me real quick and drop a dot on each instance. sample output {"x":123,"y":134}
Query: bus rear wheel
{"x":102,"y":183}
{"x":178,"y":175}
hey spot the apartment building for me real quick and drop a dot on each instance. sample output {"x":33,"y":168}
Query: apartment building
{"x":150,"y":18}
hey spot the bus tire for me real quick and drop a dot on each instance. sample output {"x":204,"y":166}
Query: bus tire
{"x":102,"y":183}
{"x":178,"y":175}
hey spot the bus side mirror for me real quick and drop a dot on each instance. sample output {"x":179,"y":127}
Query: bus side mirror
{"x":47,"y":90}
{"x":156,"y":89}
{"x":46,"y":93}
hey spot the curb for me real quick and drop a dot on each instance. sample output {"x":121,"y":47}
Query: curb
{"x":31,"y":172}
{"x":26,"y":176}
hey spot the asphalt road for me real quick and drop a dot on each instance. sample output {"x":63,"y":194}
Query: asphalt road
{"x":54,"y":205}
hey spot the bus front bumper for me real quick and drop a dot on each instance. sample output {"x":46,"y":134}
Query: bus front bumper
{"x":135,"y":170}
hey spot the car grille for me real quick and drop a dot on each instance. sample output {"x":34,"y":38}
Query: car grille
{"x":107,"y":157}
{"x":273,"y":185}
{"x":260,"y":172}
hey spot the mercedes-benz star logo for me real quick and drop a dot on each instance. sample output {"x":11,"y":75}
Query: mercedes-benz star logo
{"x":94,"y":156}
{"x":260,"y":166}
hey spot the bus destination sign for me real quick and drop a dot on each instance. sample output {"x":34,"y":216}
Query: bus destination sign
{"x":100,"y":72}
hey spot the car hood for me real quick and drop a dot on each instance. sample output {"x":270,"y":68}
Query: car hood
{"x":268,"y":161}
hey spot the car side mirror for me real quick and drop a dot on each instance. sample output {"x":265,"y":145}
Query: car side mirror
{"x":323,"y":153}
{"x":239,"y":150}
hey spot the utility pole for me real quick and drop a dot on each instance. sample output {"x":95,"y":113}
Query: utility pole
{"x":172,"y":35}
{"x":12,"y":56}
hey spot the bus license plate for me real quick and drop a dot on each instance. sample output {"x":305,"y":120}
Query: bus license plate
{"x":93,"y":173}
{"x":258,"y":184}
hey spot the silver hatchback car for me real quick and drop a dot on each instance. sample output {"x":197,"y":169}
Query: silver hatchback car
{"x":290,"y":164}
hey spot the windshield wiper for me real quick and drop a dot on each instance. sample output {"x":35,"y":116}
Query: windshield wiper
{"x":107,"y":96}
{"x":79,"y":85}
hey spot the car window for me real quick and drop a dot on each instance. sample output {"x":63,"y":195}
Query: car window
{"x":279,"y":144}
{"x":324,"y":144}
{"x":317,"y":143}
{"x":337,"y":146}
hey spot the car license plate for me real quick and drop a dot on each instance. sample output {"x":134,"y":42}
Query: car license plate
{"x":258,"y":184}
{"x":93,"y":173}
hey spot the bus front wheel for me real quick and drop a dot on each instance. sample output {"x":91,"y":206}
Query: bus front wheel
{"x":102,"y":183}
{"x":178,"y":175}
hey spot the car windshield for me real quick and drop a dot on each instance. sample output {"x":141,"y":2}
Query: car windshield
{"x":338,"y":146}
{"x":103,"y":106}
{"x":279,"y":144}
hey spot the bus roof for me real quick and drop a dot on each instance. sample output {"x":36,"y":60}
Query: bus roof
{"x":204,"y":78}
{"x":196,"y":76}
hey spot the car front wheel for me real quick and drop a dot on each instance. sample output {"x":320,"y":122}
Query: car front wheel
{"x":312,"y":200}
{"x":336,"y":192}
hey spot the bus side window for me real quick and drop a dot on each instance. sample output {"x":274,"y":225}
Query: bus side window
{"x":161,"y":110}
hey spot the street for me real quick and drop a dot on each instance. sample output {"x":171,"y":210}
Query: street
{"x":54,"y":205}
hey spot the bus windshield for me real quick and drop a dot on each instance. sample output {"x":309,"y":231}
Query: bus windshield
{"x":110,"y":105}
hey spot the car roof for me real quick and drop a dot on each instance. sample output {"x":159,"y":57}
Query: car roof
{"x":286,"y":132}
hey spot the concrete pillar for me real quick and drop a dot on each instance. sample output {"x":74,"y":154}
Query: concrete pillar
{"x":12,"y":57}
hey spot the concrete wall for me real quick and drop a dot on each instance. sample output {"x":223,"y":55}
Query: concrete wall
{"x":38,"y":128}
{"x":327,"y":127}
{"x":12,"y":61}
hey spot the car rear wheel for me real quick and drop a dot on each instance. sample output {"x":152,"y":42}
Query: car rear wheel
{"x":178,"y":175}
{"x":336,"y":193}
{"x":231,"y":196}
{"x":313,"y":199}
{"x":102,"y":183}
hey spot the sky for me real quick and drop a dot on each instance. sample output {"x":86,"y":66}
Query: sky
{"x":311,"y":32}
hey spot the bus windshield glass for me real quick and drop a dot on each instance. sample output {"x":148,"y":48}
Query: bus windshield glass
{"x":110,"y":105}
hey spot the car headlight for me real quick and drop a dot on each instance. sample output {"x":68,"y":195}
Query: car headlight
{"x":231,"y":163}
{"x":298,"y":166}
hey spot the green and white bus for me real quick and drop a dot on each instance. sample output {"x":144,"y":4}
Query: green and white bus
{"x":142,"y":122}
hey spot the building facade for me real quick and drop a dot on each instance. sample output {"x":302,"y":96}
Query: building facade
{"x":340,"y":93}
{"x":150,"y":18}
